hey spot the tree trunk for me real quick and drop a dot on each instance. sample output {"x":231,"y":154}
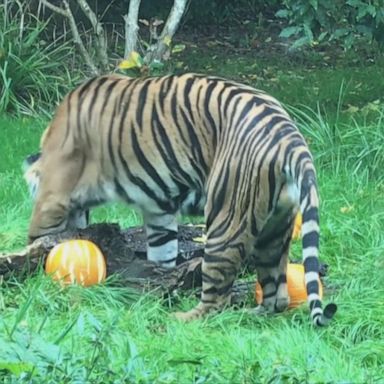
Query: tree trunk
{"x":101,"y":44}
{"x":131,"y":27}
{"x":157,"y":51}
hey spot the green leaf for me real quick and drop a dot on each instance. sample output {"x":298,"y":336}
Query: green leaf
{"x":289,"y":31}
{"x":134,"y":60}
{"x":178,"y":48}
{"x":308,"y":32}
{"x":340,"y":32}
{"x":16,"y":368}
{"x":300,"y":42}
{"x":354,"y":3}
{"x":283,"y":13}
{"x":322,"y":36}
{"x":314,"y":4}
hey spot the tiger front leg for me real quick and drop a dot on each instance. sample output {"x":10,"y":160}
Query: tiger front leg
{"x":162,"y":244}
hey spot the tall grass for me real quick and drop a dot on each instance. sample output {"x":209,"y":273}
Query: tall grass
{"x":356,"y":147}
{"x":109,"y":334}
{"x":34,"y":73}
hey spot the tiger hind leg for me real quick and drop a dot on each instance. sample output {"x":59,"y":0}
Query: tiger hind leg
{"x":273,"y":281}
{"x":162,"y":244}
{"x":271,"y":259}
{"x":220,"y":267}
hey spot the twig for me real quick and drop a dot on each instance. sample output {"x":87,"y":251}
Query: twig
{"x":66,"y":12}
{"x":54,"y":8}
{"x":101,"y":46}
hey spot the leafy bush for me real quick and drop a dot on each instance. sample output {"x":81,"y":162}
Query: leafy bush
{"x":32,"y":71}
{"x":316,"y":21}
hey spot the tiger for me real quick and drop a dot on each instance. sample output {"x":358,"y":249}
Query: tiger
{"x":187,"y":143}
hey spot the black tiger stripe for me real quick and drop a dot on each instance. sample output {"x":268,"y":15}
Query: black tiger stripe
{"x":315,"y":304}
{"x":85,"y":87}
{"x":156,"y":241}
{"x":165,"y":149}
{"x":267,"y":280}
{"x":168,"y":261}
{"x":187,"y":99}
{"x":310,"y":239}
{"x":312,"y":287}
{"x":94,"y":99}
{"x":111,"y":150}
{"x":219,"y":199}
{"x":311,"y":263}
{"x":108,"y":93}
{"x":220,"y":291}
{"x":270,"y":294}
{"x":245,"y":110}
{"x":164,"y":92}
{"x":272,"y":180}
{"x":163,"y":204}
{"x":311,"y":213}
{"x":209,"y":279}
{"x":195,"y":144}
{"x":142,"y":100}
{"x":207,"y":112}
{"x":166,"y":206}
{"x":147,"y":166}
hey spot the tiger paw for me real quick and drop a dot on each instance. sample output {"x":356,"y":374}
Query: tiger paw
{"x":260,"y":310}
{"x":187,"y":316}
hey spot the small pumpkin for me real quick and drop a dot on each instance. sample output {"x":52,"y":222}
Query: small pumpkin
{"x":296,"y":286}
{"x":76,"y":261}
{"x":297,"y":226}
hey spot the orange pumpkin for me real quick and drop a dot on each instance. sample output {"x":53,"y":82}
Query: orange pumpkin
{"x":76,"y":261}
{"x":297,"y":226}
{"x":296,"y":286}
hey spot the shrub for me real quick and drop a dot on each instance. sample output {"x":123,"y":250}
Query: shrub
{"x":315,"y":21}
{"x":33,"y":72}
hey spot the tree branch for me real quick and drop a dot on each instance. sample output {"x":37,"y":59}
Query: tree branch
{"x":101,"y":46}
{"x":54,"y":8}
{"x":157,"y":51}
{"x":131,"y":27}
{"x":75,"y":32}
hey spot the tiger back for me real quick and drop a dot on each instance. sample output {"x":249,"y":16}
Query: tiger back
{"x":188,"y":141}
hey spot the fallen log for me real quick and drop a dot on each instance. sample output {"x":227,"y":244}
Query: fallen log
{"x":125,"y":254}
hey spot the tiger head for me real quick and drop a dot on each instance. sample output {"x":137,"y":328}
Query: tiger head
{"x":78,"y":218}
{"x":32,"y":173}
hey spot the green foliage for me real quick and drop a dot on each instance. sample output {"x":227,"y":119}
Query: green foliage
{"x":355,"y":147}
{"x":202,"y":12}
{"x":106,"y":334}
{"x":316,"y":21}
{"x":32,"y":71}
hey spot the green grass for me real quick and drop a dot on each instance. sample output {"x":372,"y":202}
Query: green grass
{"x":352,"y":86}
{"x":110,"y":334}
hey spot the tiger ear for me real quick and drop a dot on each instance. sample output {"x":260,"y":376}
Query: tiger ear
{"x":31,"y":172}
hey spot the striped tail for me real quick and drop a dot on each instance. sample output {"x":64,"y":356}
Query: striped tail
{"x":309,"y":205}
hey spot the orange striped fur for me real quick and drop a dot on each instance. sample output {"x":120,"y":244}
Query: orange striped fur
{"x":190,"y":143}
